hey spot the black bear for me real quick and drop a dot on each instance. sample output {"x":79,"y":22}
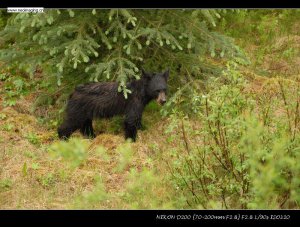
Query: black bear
{"x":102,"y":100}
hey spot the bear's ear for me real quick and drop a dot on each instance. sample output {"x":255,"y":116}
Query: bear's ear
{"x":166,"y":74}
{"x":145,"y":74}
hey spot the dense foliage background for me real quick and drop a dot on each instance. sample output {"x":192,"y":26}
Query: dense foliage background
{"x":227,"y":138}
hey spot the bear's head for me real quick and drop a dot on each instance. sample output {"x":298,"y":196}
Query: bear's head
{"x":157,"y":85}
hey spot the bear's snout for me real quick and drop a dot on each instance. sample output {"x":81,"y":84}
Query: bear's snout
{"x":161,"y":99}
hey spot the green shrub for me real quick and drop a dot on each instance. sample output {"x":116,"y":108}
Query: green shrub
{"x":73,"y":152}
{"x":234,"y":160}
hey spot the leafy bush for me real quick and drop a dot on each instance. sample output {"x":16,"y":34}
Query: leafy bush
{"x":232,"y":159}
{"x":143,"y":187}
{"x":14,"y":88}
{"x":74,"y":151}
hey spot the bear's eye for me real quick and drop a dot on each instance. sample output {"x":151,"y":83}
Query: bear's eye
{"x":161,"y":90}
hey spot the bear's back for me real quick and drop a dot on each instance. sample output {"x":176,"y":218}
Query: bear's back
{"x":97,"y":88}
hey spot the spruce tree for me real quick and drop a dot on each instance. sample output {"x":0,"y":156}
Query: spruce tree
{"x":103,"y":44}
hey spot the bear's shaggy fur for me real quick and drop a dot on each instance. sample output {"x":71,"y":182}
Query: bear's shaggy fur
{"x":102,"y":100}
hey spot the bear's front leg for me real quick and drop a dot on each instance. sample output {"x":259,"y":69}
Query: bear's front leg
{"x":139,"y":125}
{"x":133,"y":119}
{"x":130,"y":131}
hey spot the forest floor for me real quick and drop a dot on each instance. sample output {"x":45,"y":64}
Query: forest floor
{"x":32,"y":178}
